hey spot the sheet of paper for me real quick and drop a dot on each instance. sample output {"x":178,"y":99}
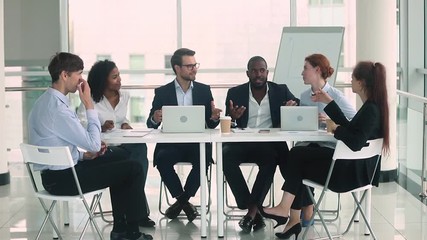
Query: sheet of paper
{"x":244,"y":130}
{"x":129,"y":132}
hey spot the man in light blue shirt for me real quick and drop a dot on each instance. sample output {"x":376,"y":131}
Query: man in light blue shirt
{"x":53,"y":123}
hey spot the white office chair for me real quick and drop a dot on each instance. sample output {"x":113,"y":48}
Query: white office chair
{"x":342,"y":152}
{"x":164,"y":190}
{"x":231,"y":210}
{"x":58,"y":156}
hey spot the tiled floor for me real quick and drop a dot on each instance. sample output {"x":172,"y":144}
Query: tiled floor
{"x":396,"y":214}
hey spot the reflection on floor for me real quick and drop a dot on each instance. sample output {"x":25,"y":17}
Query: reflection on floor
{"x":396,"y":214}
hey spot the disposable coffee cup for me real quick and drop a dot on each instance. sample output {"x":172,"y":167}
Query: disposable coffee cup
{"x":329,"y":125}
{"x":225,"y":123}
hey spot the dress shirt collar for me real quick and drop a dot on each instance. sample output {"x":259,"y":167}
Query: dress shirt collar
{"x":184,"y":98}
{"x":177,"y":86}
{"x":250,"y":89}
{"x":325,"y":88}
{"x":59,"y":95}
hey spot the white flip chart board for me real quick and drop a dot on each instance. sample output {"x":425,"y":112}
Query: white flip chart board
{"x":299,"y":42}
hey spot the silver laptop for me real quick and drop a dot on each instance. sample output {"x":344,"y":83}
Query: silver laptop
{"x":183,"y":119}
{"x":299,"y":118}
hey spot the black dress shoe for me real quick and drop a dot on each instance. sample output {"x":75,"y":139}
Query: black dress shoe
{"x":258,"y":222}
{"x":145,"y":236}
{"x":190,"y":211}
{"x":246,"y":224}
{"x":295,"y":229}
{"x":279,"y":219}
{"x":133,"y":236}
{"x":117,"y":235}
{"x":146,"y":222}
{"x":173,"y":211}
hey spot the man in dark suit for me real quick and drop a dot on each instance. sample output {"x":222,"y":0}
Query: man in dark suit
{"x":255,"y":104}
{"x":182,"y":91}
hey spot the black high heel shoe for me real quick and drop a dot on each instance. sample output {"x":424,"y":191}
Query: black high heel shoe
{"x":295,"y":229}
{"x":279,"y":219}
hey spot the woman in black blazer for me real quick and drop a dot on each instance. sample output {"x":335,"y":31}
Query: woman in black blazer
{"x":370,"y":122}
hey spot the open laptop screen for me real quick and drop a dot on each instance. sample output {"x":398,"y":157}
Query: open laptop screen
{"x":299,"y":118}
{"x":183,"y":119}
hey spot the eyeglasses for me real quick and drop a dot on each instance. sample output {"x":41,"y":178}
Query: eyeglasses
{"x":191,"y":66}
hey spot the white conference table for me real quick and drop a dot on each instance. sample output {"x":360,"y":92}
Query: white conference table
{"x":254,"y":135}
{"x":214,"y":136}
{"x":156,"y":136}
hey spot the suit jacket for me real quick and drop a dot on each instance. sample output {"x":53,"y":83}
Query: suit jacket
{"x":365,"y":125}
{"x":277,"y":94}
{"x":166,"y":96}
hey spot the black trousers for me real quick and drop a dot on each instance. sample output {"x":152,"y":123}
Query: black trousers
{"x":167,"y":155}
{"x":123,"y":177}
{"x":311,"y":162}
{"x":264,"y":154}
{"x":136,"y":152}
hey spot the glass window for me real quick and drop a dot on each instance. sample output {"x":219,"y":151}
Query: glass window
{"x":313,"y":2}
{"x":326,"y":14}
{"x":123,"y":28}
{"x":168,"y":61}
{"x":168,"y":64}
{"x":225,"y":34}
{"x":137,"y":114}
{"x":102,"y":57}
{"x":136,"y":62}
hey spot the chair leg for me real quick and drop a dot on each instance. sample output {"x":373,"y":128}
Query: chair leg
{"x":318,"y":212}
{"x":209,"y":181}
{"x":334,"y":212}
{"x":90,"y":210}
{"x":360,"y":209}
{"x":102,"y":214}
{"x":57,"y":217}
{"x":49,"y":217}
{"x":66,"y":214}
{"x":357,"y":217}
{"x":368,"y":204}
{"x":163,"y":191}
{"x":160,"y":198}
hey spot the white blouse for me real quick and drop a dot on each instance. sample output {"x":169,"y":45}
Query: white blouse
{"x":107,"y":112}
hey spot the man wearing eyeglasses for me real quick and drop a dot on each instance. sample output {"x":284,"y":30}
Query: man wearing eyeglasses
{"x":183,"y":90}
{"x":255,"y":104}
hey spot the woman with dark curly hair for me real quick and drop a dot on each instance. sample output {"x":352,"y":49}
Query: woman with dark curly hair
{"x":111,"y":104}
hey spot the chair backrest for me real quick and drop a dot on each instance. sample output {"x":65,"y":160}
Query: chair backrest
{"x":58,"y":156}
{"x":54,"y":156}
{"x":371,"y":149}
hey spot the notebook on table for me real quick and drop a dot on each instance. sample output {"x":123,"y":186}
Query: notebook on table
{"x":299,"y":118}
{"x":183,"y":119}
